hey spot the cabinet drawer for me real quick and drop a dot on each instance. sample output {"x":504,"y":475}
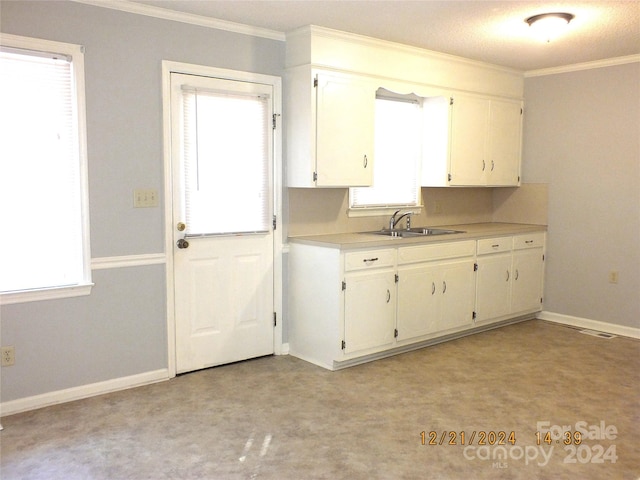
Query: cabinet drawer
{"x":494,"y":245}
{"x":369,"y":259}
{"x":438,"y":251}
{"x":531,"y":240}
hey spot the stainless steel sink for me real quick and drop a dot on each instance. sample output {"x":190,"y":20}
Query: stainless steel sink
{"x":413,"y":232}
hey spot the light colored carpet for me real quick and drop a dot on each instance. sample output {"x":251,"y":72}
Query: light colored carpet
{"x":282,"y":418}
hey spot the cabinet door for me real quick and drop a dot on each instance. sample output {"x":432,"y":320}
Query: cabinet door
{"x":345,"y":111}
{"x":458,"y":294}
{"x":369,"y":310}
{"x":419,"y":298}
{"x":527,"y":280}
{"x":469,"y":125}
{"x":505,"y":131}
{"x":493,"y":286}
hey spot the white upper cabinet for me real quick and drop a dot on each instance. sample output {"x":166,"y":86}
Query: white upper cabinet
{"x":485,"y":141}
{"x":330,"y":129}
{"x":332,"y":77}
{"x":471,"y":141}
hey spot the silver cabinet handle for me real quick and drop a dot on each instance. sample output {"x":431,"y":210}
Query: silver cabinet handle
{"x":444,"y":287}
{"x":388,"y":296}
{"x":483,"y":165}
{"x":433,"y":288}
{"x":366,"y":161}
{"x":492,"y":165}
{"x":507,"y":275}
{"x":367,"y":260}
{"x":517,"y":274}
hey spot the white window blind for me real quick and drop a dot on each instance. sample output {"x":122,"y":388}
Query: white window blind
{"x":397,"y":153}
{"x":226,"y":162}
{"x":42,"y":240}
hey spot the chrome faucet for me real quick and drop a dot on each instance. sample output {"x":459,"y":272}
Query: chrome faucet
{"x":393,"y":221}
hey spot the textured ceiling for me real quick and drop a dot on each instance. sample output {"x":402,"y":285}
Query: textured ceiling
{"x":490,"y":31}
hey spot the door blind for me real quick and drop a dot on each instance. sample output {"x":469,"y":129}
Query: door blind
{"x":226,"y":162}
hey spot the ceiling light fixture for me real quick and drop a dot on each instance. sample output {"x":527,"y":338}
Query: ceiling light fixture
{"x":547,"y":26}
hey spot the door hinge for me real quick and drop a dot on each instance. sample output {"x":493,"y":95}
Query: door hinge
{"x":449,"y":177}
{"x":315,"y":82}
{"x":395,"y":333}
{"x":473,"y":316}
{"x":475,"y":267}
{"x":543,"y":257}
{"x":344,"y":286}
{"x":275,"y":222}
{"x":315,"y":176}
{"x":344,"y":345}
{"x":450,"y":100}
{"x":274,"y":120}
{"x":275,"y":322}
{"x":397,"y":278}
{"x":540,"y":299}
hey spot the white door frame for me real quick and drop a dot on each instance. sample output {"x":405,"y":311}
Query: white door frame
{"x":169,"y":67}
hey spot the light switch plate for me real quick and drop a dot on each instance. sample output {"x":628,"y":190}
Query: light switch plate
{"x":145,"y":198}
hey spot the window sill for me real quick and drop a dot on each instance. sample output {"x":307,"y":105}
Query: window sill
{"x":382,"y":211}
{"x":52,"y":293}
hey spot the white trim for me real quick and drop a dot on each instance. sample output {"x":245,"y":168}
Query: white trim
{"x":609,"y":62}
{"x":52,"y":293}
{"x":169,"y":67}
{"x":123,"y":261}
{"x":84,"y":391}
{"x":597,"y":325}
{"x":190,"y":18}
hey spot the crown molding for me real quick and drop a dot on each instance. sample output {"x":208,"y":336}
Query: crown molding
{"x":202,"y":21}
{"x":576,"y":67}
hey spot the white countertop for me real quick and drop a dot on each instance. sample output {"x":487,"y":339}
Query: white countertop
{"x":471,"y":231}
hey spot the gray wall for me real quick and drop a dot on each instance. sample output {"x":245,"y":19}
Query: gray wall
{"x":582,"y":137}
{"x":120,"y":329}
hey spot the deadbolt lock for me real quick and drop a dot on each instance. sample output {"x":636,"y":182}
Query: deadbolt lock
{"x":181,"y":227}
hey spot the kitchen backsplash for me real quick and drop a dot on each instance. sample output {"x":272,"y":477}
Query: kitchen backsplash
{"x":318,"y":211}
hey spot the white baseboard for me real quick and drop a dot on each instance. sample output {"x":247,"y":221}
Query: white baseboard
{"x":83,"y":391}
{"x":597,"y":325}
{"x":285,"y":349}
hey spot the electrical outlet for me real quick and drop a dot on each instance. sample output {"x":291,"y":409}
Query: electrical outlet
{"x":613,"y":276}
{"x":145,"y":197}
{"x":8,"y":356}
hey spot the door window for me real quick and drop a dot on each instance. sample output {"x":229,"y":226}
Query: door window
{"x":226,"y":161}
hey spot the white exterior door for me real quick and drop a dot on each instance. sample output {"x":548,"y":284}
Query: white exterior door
{"x":222,"y":187}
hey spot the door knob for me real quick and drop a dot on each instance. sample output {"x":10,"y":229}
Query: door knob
{"x":182,"y":243}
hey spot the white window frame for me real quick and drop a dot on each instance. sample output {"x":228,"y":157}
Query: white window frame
{"x":76,"y":52}
{"x":378,"y":210}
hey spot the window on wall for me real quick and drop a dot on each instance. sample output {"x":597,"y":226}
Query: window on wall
{"x":44,"y":237}
{"x":396,"y":168}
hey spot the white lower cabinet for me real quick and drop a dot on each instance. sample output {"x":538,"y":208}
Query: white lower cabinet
{"x":528,"y":273}
{"x":369,"y":300}
{"x":355,"y":305}
{"x":493,"y":281}
{"x":509,"y":278}
{"x":435,"y":289}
